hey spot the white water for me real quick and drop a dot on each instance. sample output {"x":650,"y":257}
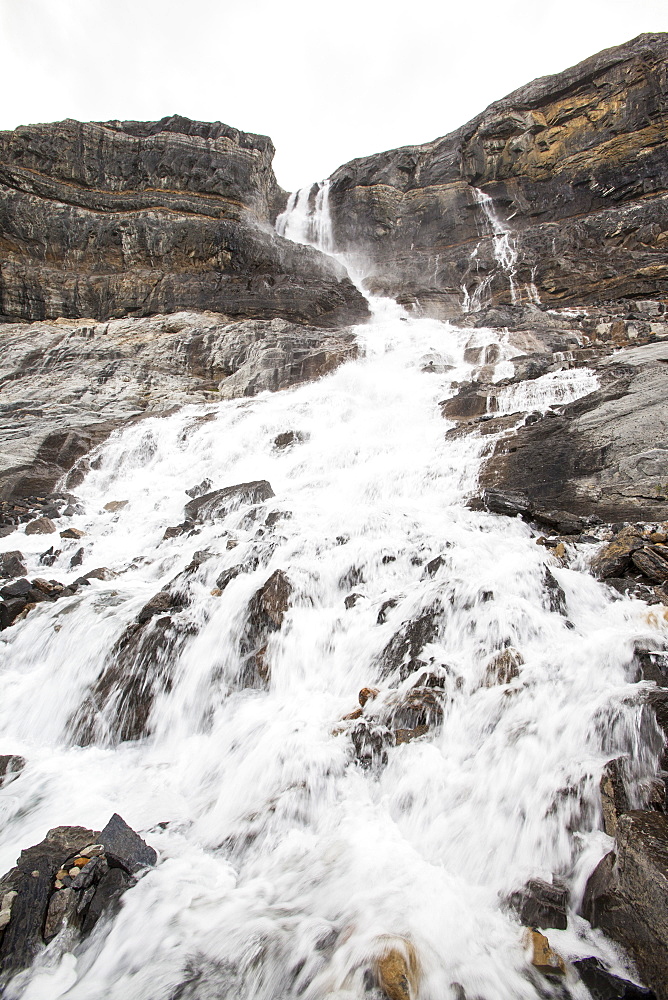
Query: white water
{"x":284,"y":866}
{"x":504,"y":247}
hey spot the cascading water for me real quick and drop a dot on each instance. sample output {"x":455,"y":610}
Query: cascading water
{"x":505,"y":255}
{"x":296,"y":846}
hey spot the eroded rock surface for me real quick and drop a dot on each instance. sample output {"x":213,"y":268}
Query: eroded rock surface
{"x":575,"y":163}
{"x":138,"y":218}
{"x":67,"y":385}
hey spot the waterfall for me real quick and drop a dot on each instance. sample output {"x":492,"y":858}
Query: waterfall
{"x":300,"y":834}
{"x":504,"y":246}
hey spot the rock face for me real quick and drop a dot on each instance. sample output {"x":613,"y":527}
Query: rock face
{"x":575,"y":163}
{"x":602,"y":455}
{"x":112,"y":219}
{"x":626,"y":895}
{"x":67,"y":385}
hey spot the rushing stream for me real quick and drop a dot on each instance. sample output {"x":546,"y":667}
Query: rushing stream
{"x":285,"y":864}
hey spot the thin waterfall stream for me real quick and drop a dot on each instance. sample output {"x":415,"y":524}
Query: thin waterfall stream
{"x":302,"y":834}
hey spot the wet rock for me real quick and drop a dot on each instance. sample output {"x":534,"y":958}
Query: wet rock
{"x":115,"y":505}
{"x":75,"y":533}
{"x":124,"y":848}
{"x":651,"y":562}
{"x":218,"y":504}
{"x":230,"y":574}
{"x":614,"y":800}
{"x":266,"y":611}
{"x":385,"y":609}
{"x":178,"y":529}
{"x":32,"y":880}
{"x":40,"y":526}
{"x":503,"y":667}
{"x":626,"y":894}
{"x":21,"y":588}
{"x":633,"y":589}
{"x":542,"y":956}
{"x":10,"y":611}
{"x":200,"y":489}
{"x":352,"y":578}
{"x":506,"y":502}
{"x":288,"y":438}
{"x":555,"y":594}
{"x":105,"y":898}
{"x":408,"y":735}
{"x":559,"y":520}
{"x":602,"y":985}
{"x":11,"y":766}
{"x":12,"y":565}
{"x":367,"y":694}
{"x":433,"y":566}
{"x":62,"y":910}
{"x":352,"y":599}
{"x":77,"y":559}
{"x":541,"y":904}
{"x":420,"y":706}
{"x":160,"y":604}
{"x":371,"y":741}
{"x":652,"y":665}
{"x":397,"y":970}
{"x":401,"y":654}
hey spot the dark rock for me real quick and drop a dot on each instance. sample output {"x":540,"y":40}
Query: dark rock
{"x":352,"y":599}
{"x":555,"y":594}
{"x":288,"y":438}
{"x":230,"y":574}
{"x":626,"y":894}
{"x":77,"y":558}
{"x":124,"y":848}
{"x":401,"y":655}
{"x":11,"y":766}
{"x":614,"y":800}
{"x":602,"y":985}
{"x":105,"y":898}
{"x":21,"y":588}
{"x":178,"y":529}
{"x":541,"y":904}
{"x":49,"y":557}
{"x":40,"y":526}
{"x":632,"y":588}
{"x":354,"y":577}
{"x":651,"y":563}
{"x":12,"y":565}
{"x":505,"y":502}
{"x":32,"y":880}
{"x":10,"y":610}
{"x":200,"y":489}
{"x":161,"y":603}
{"x":587,"y":202}
{"x":503,"y":667}
{"x":433,"y":566}
{"x":221,"y":502}
{"x":560,"y":520}
{"x":653,"y":666}
{"x":385,"y":609}
{"x":266,"y":611}
{"x":371,"y":741}
{"x":139,"y":218}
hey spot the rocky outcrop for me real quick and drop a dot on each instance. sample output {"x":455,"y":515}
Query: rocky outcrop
{"x":626,"y":894}
{"x":603,"y":455}
{"x":560,"y":190}
{"x":111,"y":219}
{"x":66,"y":385}
{"x":66,"y":883}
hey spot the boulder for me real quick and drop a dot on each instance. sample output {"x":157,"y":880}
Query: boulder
{"x":12,"y":565}
{"x":218,"y":504}
{"x":124,"y":848}
{"x":40,"y":526}
{"x":602,"y":985}
{"x":541,"y":904}
{"x":265,"y":613}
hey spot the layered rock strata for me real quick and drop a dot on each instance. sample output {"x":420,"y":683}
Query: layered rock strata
{"x":66,"y":385}
{"x":110,"y":219}
{"x":558,"y":191}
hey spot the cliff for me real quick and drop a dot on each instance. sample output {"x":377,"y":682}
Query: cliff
{"x":113,"y":219}
{"x":576,"y":166}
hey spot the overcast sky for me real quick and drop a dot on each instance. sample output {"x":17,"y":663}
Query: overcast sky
{"x":327,"y":82}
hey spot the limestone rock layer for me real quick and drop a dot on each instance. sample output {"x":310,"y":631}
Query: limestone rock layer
{"x":112,"y":219}
{"x":576,"y":166}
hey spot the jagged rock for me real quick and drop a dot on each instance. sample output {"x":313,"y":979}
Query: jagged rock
{"x":653,"y":666}
{"x":576,"y":163}
{"x":105,"y":898}
{"x":602,"y":985}
{"x":40,"y":526}
{"x":542,"y":956}
{"x":32,"y":880}
{"x":541,"y":904}
{"x":402,"y":652}
{"x":651,"y":562}
{"x":11,"y":766}
{"x":555,"y":595}
{"x":219,"y":503}
{"x":10,"y":611}
{"x":615,"y":557}
{"x":138,"y":218}
{"x":12,"y":565}
{"x":200,"y":489}
{"x":614,"y":800}
{"x":265,"y":614}
{"x":124,"y":848}
{"x":626,"y":894}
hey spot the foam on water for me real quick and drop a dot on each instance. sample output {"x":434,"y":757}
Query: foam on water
{"x":284,"y":866}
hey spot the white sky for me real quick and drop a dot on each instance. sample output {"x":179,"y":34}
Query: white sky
{"x":327,"y":82}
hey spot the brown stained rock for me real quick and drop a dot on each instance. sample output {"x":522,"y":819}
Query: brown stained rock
{"x":41,"y":526}
{"x":366,"y":694}
{"x":408,"y":735}
{"x":397,"y":969}
{"x":503,"y":667}
{"x":651,"y":563}
{"x":614,"y":800}
{"x":115,"y":505}
{"x":542,"y":956}
{"x":615,"y":556}
{"x":75,"y":533}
